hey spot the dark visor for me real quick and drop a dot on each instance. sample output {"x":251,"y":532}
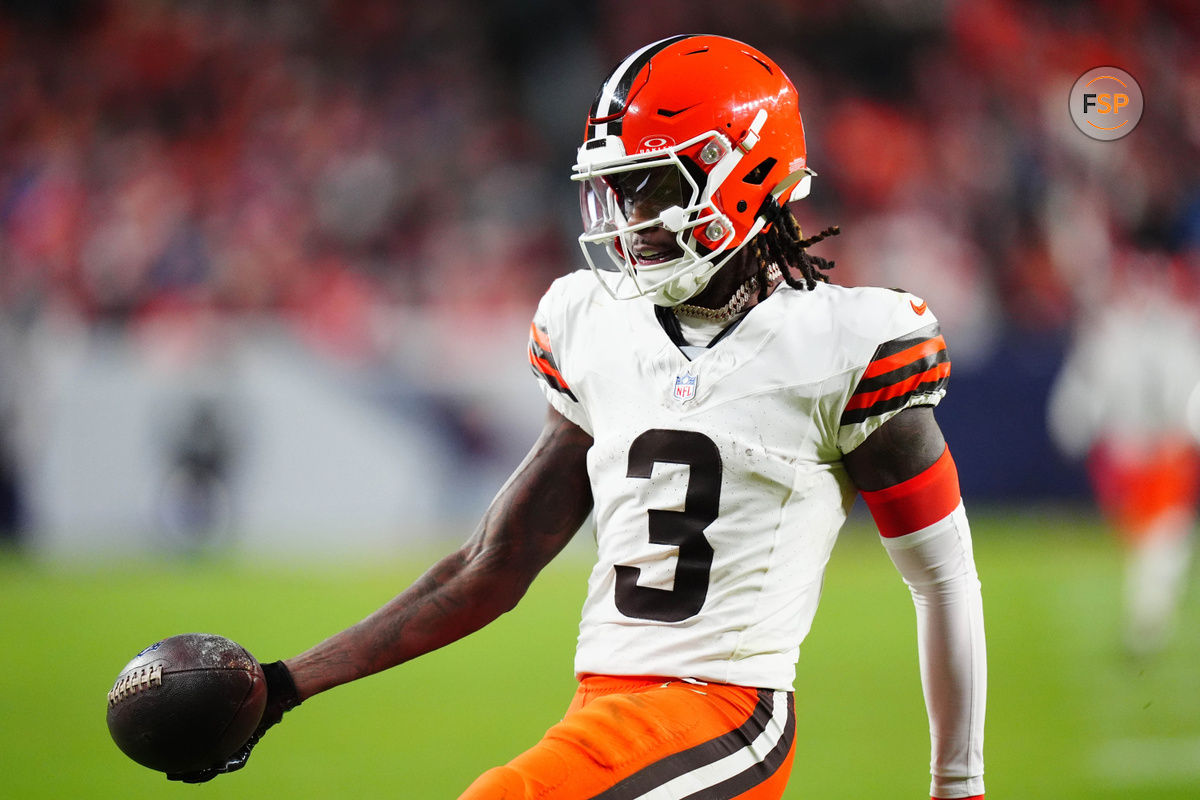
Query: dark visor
{"x":646,"y":192}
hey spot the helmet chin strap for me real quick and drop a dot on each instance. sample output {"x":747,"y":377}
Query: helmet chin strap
{"x":676,"y":291}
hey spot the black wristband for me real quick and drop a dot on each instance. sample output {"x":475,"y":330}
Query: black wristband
{"x":280,"y":686}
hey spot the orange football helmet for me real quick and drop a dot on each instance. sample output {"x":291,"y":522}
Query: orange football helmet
{"x":699,"y":135}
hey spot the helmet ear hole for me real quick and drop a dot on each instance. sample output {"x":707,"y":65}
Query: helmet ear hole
{"x":756,"y":176}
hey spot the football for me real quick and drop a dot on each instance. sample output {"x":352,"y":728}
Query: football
{"x":186,"y":703}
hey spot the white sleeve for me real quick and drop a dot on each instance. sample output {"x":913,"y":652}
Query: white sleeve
{"x":938,"y":565}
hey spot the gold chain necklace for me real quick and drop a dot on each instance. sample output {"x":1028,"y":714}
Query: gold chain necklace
{"x":737,"y":303}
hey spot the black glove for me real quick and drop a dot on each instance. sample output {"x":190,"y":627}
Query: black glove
{"x":281,"y":696}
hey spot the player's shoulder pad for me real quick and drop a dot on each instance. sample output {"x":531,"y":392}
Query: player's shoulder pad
{"x":568,"y":293}
{"x":879,"y":314}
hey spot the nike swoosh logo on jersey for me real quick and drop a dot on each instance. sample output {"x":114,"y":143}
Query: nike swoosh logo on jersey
{"x":920,"y":309}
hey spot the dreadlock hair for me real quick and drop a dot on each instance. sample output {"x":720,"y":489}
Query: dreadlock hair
{"x":783,"y":245}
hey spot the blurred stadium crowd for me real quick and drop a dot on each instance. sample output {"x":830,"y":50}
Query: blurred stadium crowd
{"x":343,"y":166}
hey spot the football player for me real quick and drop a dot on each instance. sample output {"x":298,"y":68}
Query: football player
{"x":1127,"y":403}
{"x":715,"y":405}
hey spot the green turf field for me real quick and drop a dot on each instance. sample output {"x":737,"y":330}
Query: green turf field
{"x":1068,"y":715}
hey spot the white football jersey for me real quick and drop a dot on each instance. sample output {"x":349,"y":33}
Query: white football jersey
{"x":1132,"y":375}
{"x":718,"y":481}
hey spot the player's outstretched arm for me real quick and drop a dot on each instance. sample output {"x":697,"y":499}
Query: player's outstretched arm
{"x":532,"y":518}
{"x":910,"y":484}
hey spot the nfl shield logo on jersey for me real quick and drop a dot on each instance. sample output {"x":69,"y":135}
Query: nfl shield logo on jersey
{"x":685,"y":387}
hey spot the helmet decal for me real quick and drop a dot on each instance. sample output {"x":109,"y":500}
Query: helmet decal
{"x":657,"y":142}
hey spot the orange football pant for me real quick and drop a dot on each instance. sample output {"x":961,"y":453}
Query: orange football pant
{"x":623,"y":737}
{"x":1137,"y":490}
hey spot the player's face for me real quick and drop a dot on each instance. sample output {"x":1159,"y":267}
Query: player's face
{"x":643,"y":194}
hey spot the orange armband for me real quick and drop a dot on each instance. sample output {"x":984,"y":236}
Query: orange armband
{"x":917,"y":502}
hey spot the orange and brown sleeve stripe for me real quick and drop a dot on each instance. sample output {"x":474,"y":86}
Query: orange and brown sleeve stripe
{"x":913,"y":365}
{"x":541,"y":361}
